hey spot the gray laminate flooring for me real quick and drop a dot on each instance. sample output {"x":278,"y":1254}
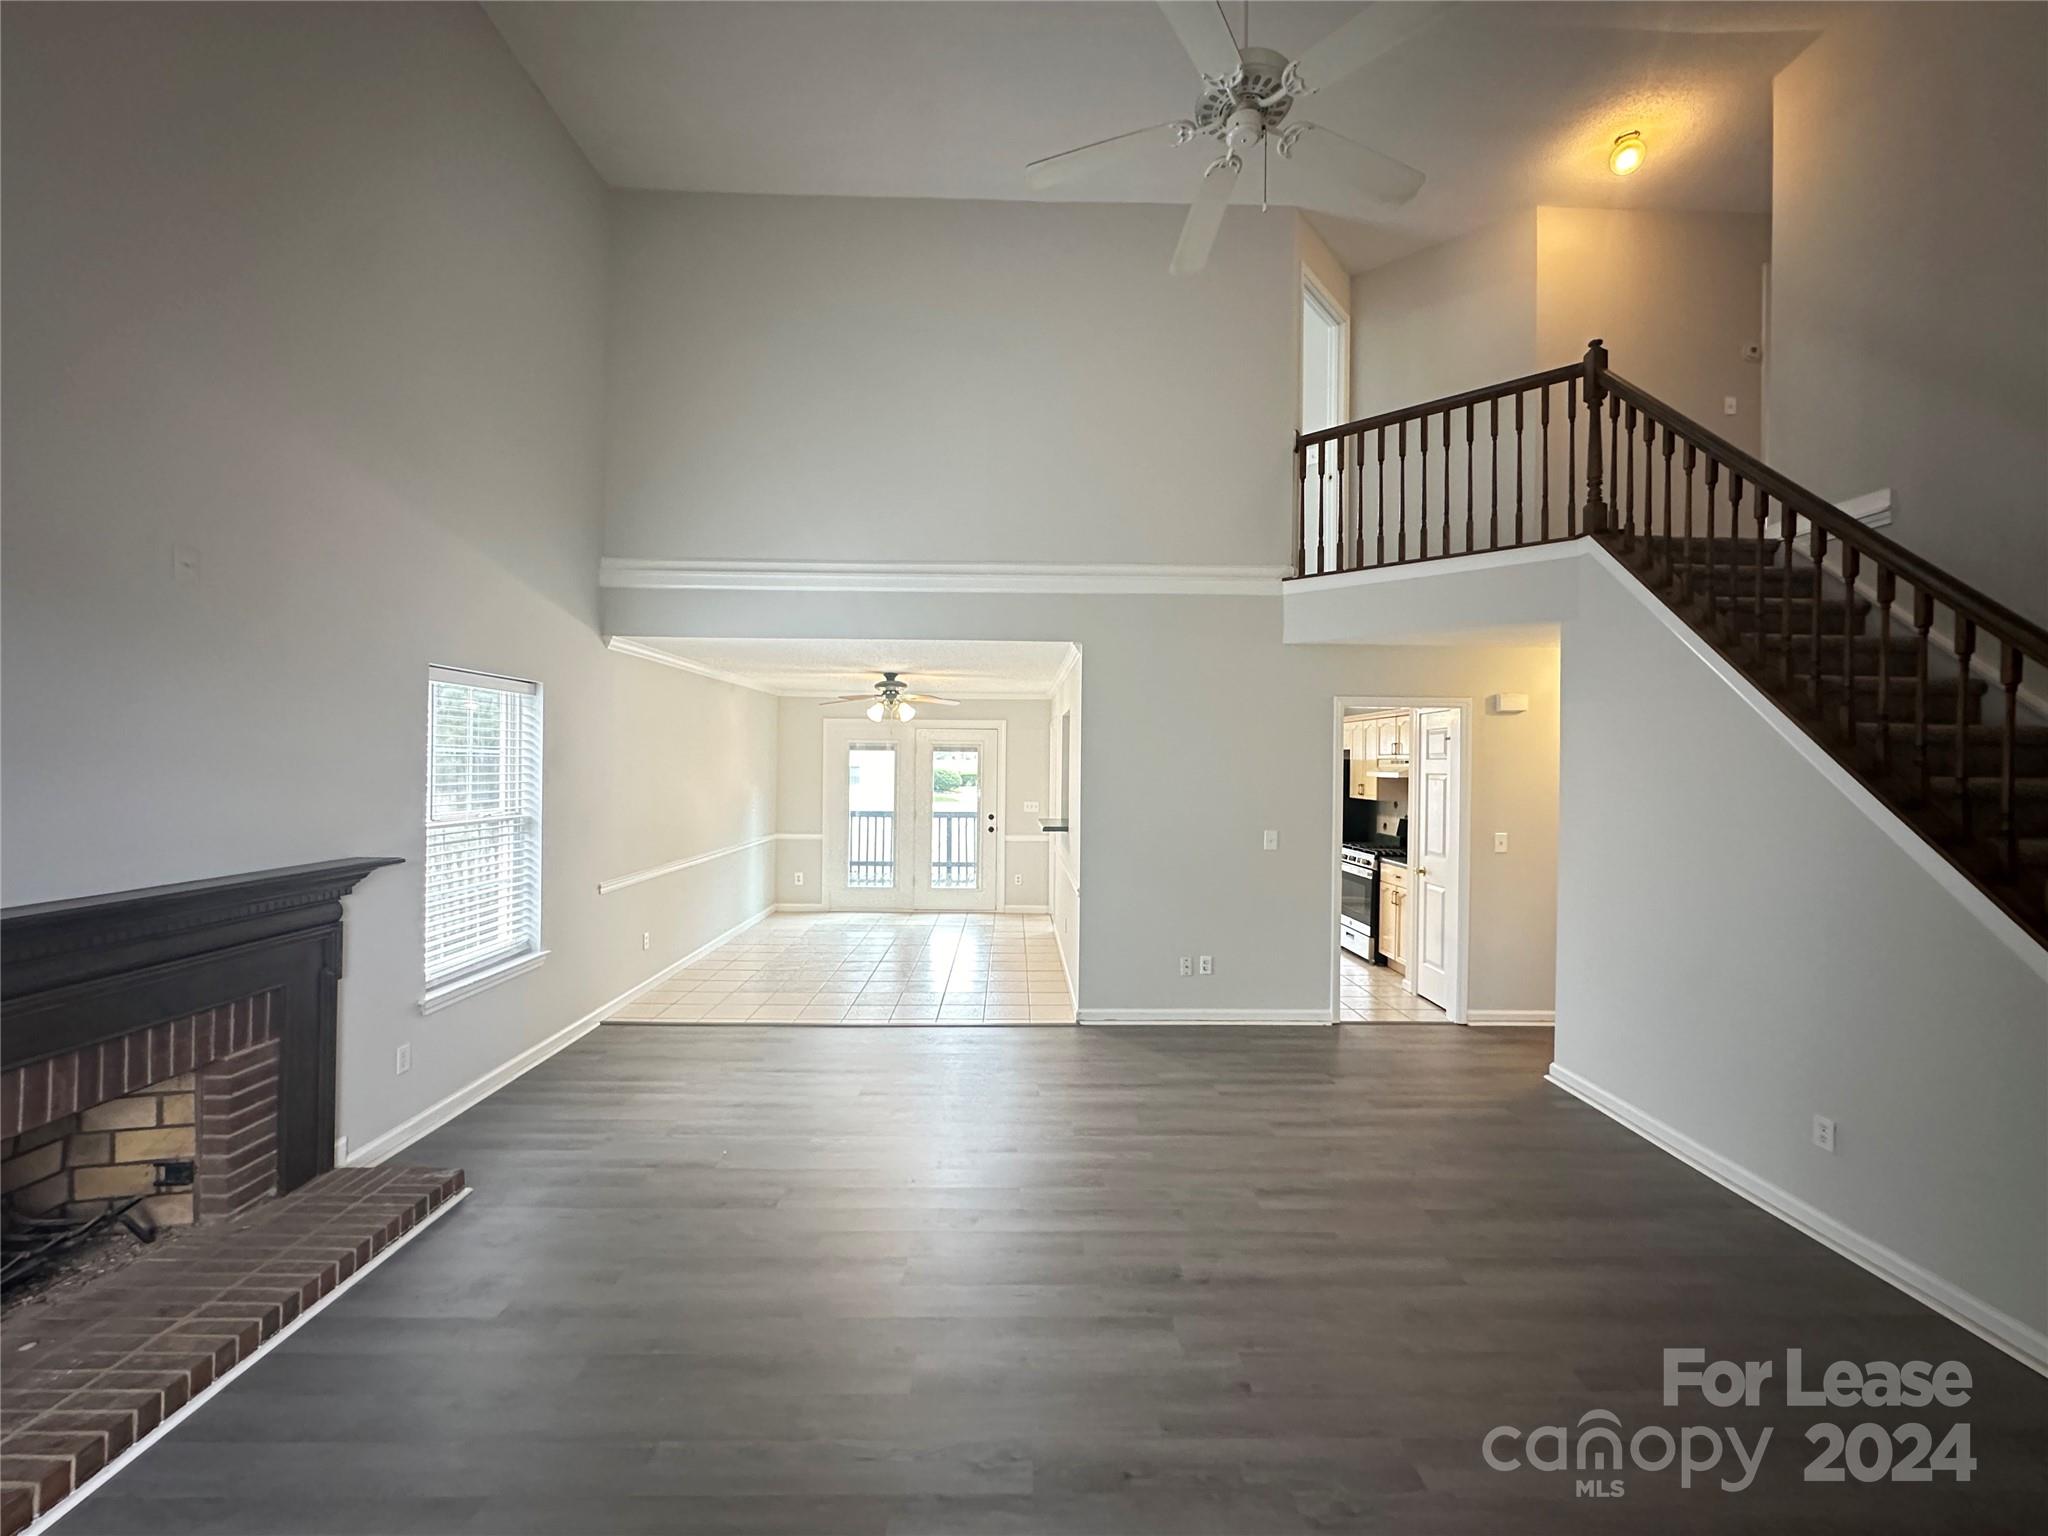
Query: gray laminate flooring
{"x":1052,"y":1280}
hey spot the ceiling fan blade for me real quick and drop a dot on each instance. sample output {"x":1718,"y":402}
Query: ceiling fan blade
{"x":1205,"y":34}
{"x":1373,"y":31}
{"x":1205,"y":217}
{"x":1089,"y":158}
{"x":1351,"y":164}
{"x":850,"y":698}
{"x":928,"y":698}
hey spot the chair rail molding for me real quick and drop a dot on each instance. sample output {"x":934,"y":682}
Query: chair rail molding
{"x":916,"y":576}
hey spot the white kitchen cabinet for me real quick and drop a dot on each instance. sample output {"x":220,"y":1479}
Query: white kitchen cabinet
{"x":1393,"y":930}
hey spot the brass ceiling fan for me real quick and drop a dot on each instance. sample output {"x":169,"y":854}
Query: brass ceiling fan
{"x":892,"y":699}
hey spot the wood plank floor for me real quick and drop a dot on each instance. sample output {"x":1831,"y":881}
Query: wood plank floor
{"x":1037,"y":1280}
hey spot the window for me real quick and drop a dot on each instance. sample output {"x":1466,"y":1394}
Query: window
{"x":483,"y":824}
{"x":871,"y":817}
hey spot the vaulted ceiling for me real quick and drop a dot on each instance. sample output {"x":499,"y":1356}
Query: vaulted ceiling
{"x":1502,"y":105}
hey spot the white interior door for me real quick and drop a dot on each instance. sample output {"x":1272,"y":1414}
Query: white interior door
{"x":1435,"y":855}
{"x":868,"y":806}
{"x":958,"y":799}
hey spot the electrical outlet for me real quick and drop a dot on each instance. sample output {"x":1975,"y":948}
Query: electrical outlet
{"x":405,"y":1058}
{"x":1208,"y":965}
{"x":647,"y":941}
{"x":799,"y":877}
{"x":1824,"y":1133}
{"x":1500,"y":842}
{"x":1016,"y":879}
{"x":1272,"y":841}
{"x":1187,"y":966}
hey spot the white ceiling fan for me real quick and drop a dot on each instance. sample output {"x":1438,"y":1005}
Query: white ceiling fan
{"x":892,"y":699}
{"x":1247,"y":97}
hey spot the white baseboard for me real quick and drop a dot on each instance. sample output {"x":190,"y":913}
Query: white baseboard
{"x":801,"y":906}
{"x":1205,"y":1016}
{"x":199,"y":1400}
{"x":2026,"y":1344}
{"x":1534,"y":1018}
{"x":436,"y":1115}
{"x":1038,"y":910}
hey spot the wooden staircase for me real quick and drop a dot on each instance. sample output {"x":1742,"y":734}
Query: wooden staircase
{"x":1908,"y":678}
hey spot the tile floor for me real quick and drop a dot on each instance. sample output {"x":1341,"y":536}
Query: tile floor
{"x":871,"y":968}
{"x":1372,"y":994}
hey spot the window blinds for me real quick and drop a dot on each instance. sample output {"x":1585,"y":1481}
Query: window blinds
{"x":483,"y":822}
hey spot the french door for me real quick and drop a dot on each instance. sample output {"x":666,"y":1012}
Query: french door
{"x":958,"y":794}
{"x":911,"y":816}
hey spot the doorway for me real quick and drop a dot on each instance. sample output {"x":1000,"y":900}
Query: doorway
{"x":913,"y":816}
{"x":1401,"y":770}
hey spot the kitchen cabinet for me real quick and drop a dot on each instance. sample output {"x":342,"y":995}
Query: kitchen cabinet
{"x":1358,"y":742}
{"x":1393,"y":927}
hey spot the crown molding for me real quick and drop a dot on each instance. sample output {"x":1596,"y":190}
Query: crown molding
{"x":917,"y":576}
{"x":663,"y":658}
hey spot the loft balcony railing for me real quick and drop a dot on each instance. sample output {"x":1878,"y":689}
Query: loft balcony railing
{"x":1908,"y":676}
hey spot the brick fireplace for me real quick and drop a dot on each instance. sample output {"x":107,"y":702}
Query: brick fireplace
{"x":173,"y":1044}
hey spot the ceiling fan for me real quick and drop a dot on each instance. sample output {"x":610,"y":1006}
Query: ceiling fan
{"x":892,"y":699}
{"x":1247,"y":97}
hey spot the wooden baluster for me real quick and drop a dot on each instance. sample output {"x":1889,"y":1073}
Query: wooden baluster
{"x":1713,"y":487}
{"x":1379,"y":541}
{"x":1401,"y":451}
{"x":1301,"y":509}
{"x":1628,"y":483}
{"x":1670,"y":442}
{"x":1791,"y":533}
{"x":1322,"y":479}
{"x":1923,"y":621}
{"x":1422,"y":523}
{"x":1358,"y":500}
{"x":1763,"y":544}
{"x":1571,"y":458}
{"x":1966,"y":644}
{"x":1851,"y":561}
{"x":1818,"y":548}
{"x":1756,"y":641}
{"x":1887,"y":593}
{"x":1596,"y":386}
{"x":1493,"y":517}
{"x":1342,"y":482}
{"x":1543,"y":512}
{"x":1614,"y":445}
{"x":1649,"y":492}
{"x":1521,"y":458}
{"x":1469,"y":546}
{"x":2008,"y":822}
{"x":1447,"y":485}
{"x":1692,"y":455}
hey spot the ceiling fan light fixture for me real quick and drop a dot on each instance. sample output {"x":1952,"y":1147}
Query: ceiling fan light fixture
{"x":891,"y":709}
{"x":1628,"y":154}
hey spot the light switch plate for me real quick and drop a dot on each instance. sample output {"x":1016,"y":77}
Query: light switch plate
{"x":1030,"y":807}
{"x":1272,"y":841}
{"x":1728,"y":406}
{"x":1500,"y":842}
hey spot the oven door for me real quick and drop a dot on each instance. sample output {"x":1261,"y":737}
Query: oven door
{"x":1355,"y":911}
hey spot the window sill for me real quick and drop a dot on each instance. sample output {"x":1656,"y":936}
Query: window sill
{"x":479,"y":981}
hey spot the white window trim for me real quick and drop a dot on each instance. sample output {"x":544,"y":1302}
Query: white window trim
{"x":437,"y":998}
{"x":466,"y":984}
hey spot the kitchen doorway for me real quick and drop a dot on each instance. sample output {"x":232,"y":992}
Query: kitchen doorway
{"x":1401,"y":816}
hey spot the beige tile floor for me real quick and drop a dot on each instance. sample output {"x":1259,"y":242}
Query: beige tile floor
{"x":1372,"y":994}
{"x":871,"y":968}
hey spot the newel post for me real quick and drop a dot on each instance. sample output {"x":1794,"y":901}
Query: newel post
{"x":1596,"y":393}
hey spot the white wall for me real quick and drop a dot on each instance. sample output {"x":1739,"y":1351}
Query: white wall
{"x":1909,"y":326}
{"x":800,"y":792}
{"x":1741,"y":948}
{"x":1675,"y":296}
{"x":1204,"y":730}
{"x":318,"y":293}
{"x":868,"y":379}
{"x":1449,"y":318}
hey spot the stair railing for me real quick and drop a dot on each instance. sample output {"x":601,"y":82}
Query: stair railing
{"x":1716,"y":533}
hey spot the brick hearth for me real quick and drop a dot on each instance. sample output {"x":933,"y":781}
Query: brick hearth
{"x":87,"y":1377}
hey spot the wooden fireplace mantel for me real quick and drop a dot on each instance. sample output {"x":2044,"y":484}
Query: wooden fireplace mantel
{"x":80,"y":972}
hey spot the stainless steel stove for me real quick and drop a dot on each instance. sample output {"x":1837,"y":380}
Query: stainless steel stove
{"x":1358,"y":882}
